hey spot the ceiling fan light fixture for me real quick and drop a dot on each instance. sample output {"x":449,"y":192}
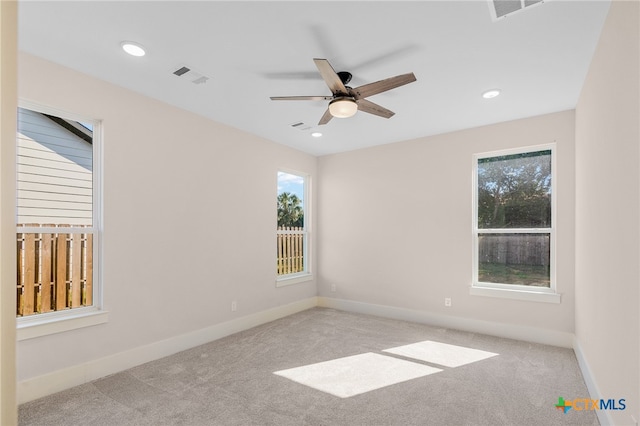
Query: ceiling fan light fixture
{"x":343,"y":107}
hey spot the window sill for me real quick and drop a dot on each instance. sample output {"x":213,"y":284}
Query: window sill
{"x":57,"y":322}
{"x":293,"y":279}
{"x":505,"y":293}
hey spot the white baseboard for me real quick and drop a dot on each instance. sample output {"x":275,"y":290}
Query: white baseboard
{"x":604,"y":416}
{"x":510,"y":331}
{"x":59,"y":380}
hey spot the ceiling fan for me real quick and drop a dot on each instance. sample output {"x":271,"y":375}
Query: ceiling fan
{"x":346,"y":101}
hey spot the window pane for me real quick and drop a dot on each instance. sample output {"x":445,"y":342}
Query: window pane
{"x":54,"y":190}
{"x":291,"y":233}
{"x":55,"y":271}
{"x":55,"y":170}
{"x":514,"y":191}
{"x":514,"y":259}
{"x":290,"y":252}
{"x":290,"y":200}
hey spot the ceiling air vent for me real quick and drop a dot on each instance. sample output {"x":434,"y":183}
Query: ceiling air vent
{"x":300,"y":126}
{"x":501,"y":8}
{"x":190,"y":75}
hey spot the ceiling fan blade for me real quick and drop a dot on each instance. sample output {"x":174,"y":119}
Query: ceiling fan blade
{"x":389,"y":56}
{"x":330,"y":77}
{"x":371,"y":89}
{"x":375,"y":109}
{"x":325,"y":118}
{"x":301,"y":98}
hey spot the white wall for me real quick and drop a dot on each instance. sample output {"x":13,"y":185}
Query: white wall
{"x":8,"y":105}
{"x":396,"y":223}
{"x":189,"y":220}
{"x":608,"y":212}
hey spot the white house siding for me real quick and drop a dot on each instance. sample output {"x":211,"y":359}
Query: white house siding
{"x":54,"y":173}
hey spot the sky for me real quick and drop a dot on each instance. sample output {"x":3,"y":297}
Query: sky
{"x":292,"y":184}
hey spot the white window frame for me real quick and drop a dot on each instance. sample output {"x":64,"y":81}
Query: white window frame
{"x":514,"y":291}
{"x":306,"y":274}
{"x":43,"y":324}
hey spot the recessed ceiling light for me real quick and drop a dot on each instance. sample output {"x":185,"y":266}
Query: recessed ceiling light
{"x":316,"y":134}
{"x":132,"y":48}
{"x":491,"y":93}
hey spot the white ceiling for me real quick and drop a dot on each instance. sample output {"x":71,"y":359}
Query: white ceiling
{"x":538,"y":57}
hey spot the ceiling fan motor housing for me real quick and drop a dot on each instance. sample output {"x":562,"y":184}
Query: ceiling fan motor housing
{"x":345,"y":77}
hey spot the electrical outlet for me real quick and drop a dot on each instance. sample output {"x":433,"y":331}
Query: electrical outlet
{"x":234,"y":306}
{"x":333,"y":287}
{"x":447,"y":301}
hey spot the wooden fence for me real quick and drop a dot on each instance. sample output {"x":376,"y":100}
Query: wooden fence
{"x":290,"y":250}
{"x":514,"y":249}
{"x":55,"y":270}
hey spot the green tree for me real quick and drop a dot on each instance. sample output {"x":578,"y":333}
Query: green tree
{"x":290,"y":211}
{"x":515,"y":191}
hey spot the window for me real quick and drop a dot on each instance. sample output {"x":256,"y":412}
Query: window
{"x":57,"y":216}
{"x":514,"y":220}
{"x":292,"y":235}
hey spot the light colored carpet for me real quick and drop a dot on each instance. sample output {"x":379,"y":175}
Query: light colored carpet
{"x":483,"y":380}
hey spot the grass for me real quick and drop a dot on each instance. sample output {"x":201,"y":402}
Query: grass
{"x":532,"y":275}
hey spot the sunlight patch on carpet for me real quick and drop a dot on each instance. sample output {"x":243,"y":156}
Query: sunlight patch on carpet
{"x":357,"y":374}
{"x":441,"y":353}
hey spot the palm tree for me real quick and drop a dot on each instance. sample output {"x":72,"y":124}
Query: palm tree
{"x":290,"y":212}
